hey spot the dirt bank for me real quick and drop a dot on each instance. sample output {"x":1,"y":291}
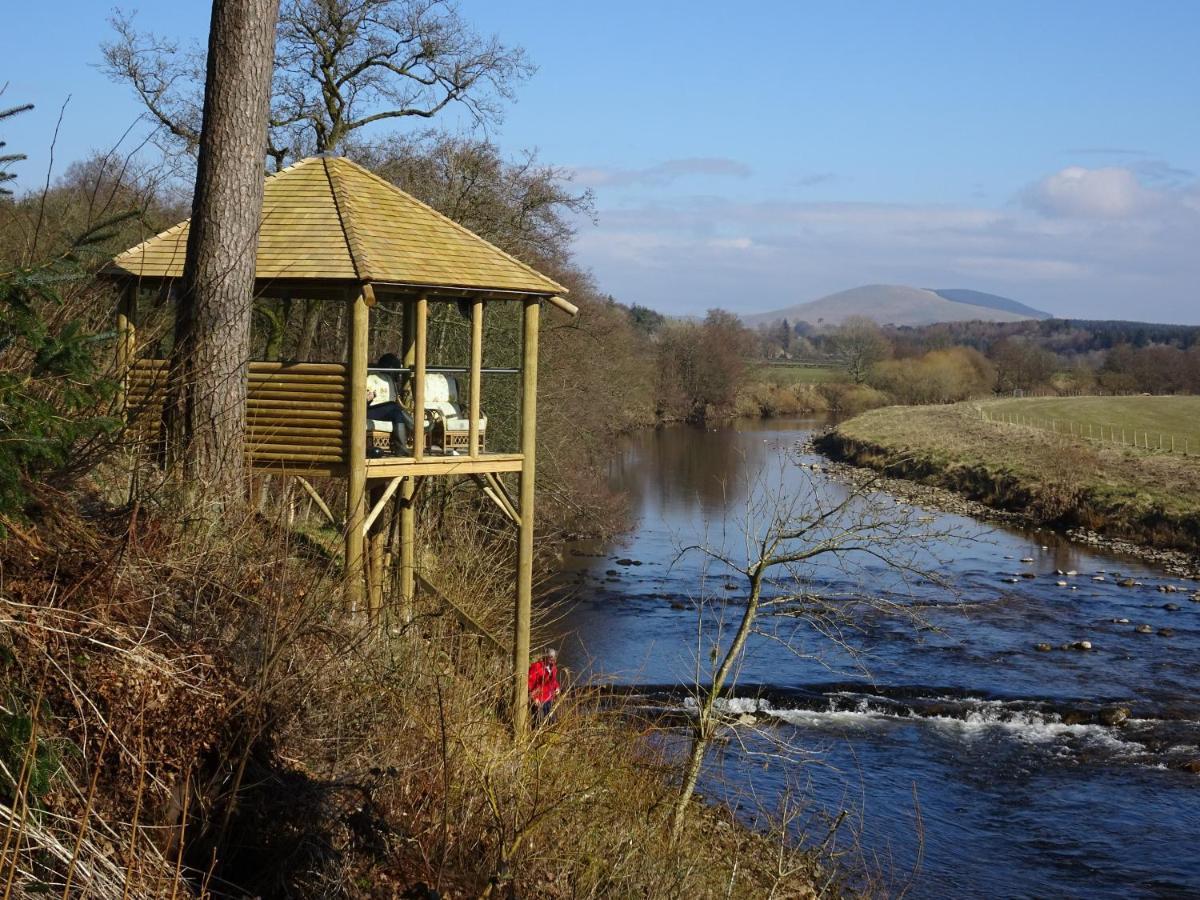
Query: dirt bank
{"x":1139,"y":503}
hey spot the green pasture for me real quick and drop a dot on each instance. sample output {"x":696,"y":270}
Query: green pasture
{"x":1135,"y":421}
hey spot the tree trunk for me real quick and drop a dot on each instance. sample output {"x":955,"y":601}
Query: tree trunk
{"x":206,"y":406}
{"x":308,"y":330}
{"x":706,"y":719}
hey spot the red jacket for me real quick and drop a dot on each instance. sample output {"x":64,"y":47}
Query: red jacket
{"x":543,"y":681}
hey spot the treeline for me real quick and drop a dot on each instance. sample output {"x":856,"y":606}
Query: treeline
{"x":956,"y":360}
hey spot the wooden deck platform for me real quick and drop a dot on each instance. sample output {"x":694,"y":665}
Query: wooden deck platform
{"x":392,"y":466}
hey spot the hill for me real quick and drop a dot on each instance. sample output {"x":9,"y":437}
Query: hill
{"x":894,"y":304}
{"x":991,"y":301}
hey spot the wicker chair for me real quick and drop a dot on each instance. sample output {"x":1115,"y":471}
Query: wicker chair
{"x":452,"y":422}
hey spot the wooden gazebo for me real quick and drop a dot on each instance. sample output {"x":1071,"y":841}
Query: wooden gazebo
{"x":332,"y":230}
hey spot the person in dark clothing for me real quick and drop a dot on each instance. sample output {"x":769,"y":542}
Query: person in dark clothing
{"x":391,"y":410}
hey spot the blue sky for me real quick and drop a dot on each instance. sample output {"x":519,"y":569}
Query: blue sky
{"x":755,"y":156}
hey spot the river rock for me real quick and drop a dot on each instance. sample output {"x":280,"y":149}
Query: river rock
{"x":1166,"y":632}
{"x":1029,"y":575}
{"x":1171,"y":607}
{"x":1026,"y":559}
{"x":1120,"y":621}
{"x":1195,"y":598}
{"x":1071,"y":573}
{"x":1074,"y":717}
{"x":1192,"y":765}
{"x":1144,"y":629}
{"x":611,"y":572}
{"x":678,"y":604}
{"x":1113,"y":715}
{"x":1127,"y":582}
{"x":747,"y":719}
{"x":1082,"y":645}
{"x":1042,"y":647}
{"x":731,"y":587}
{"x":1061,"y":583}
{"x":1011,"y":580}
{"x":1098,"y":578}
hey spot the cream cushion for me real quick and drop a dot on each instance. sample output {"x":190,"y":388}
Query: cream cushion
{"x":441,"y":393}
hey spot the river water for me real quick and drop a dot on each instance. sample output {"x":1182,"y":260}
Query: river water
{"x":970,"y":763}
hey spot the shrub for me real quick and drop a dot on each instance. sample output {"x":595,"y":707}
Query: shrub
{"x":940,"y":376}
{"x":52,"y":396}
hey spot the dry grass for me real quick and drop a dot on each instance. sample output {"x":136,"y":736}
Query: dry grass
{"x":202,"y":720}
{"x":1144,"y":495}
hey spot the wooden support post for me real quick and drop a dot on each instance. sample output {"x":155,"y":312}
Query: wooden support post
{"x":126,"y":340}
{"x":476,"y":372}
{"x":356,"y":466}
{"x":375,"y":540}
{"x":529,"y":367}
{"x":407,"y":526}
{"x":421,"y":334}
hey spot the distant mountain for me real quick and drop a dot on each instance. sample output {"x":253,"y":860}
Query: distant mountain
{"x":991,"y":301}
{"x":898,"y":304}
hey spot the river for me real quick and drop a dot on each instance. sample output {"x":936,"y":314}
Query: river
{"x":971,"y":764}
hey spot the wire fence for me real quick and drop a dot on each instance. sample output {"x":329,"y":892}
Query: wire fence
{"x":1122,"y":435}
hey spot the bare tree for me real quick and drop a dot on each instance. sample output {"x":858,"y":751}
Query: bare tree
{"x":206,"y":403}
{"x":341,"y":65}
{"x":860,"y":343}
{"x":783,"y":539}
{"x":522,"y":205}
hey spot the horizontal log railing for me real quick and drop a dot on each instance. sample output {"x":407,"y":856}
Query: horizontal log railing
{"x":295,"y":412}
{"x":297,"y":418}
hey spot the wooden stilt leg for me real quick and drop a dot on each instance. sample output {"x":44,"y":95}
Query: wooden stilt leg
{"x":408,"y":550}
{"x":375,"y":574}
{"x":408,"y":522}
{"x":520,"y":667}
{"x":356,"y":481}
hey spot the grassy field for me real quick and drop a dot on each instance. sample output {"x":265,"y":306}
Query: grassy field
{"x":1144,"y":421}
{"x":1054,"y":478}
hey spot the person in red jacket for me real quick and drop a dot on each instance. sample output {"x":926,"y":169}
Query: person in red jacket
{"x":543,"y":685}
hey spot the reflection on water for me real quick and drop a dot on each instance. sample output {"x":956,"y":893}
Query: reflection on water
{"x":690,"y":473}
{"x":1024,"y":785}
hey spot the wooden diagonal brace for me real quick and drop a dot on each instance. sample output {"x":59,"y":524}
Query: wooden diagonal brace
{"x":378,"y":508}
{"x":501,"y":500}
{"x":321,"y":504}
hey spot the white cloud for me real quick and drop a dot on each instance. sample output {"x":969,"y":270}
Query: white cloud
{"x":660,"y":174}
{"x":1112,"y":192}
{"x":1096,"y":244}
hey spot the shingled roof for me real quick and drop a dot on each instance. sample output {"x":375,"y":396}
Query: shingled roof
{"x":329,"y":219}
